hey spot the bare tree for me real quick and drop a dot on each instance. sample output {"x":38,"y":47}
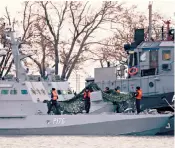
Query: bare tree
{"x":6,"y":60}
{"x":44,"y":45}
{"x":28,"y":18}
{"x":110,"y":51}
{"x":55,"y":33}
{"x":44,"y":31}
{"x":85,"y":23}
{"x":124,"y":33}
{"x":30,"y":27}
{"x":26,"y":23}
{"x":35,"y":35}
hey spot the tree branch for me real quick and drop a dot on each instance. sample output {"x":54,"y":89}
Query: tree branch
{"x":8,"y":16}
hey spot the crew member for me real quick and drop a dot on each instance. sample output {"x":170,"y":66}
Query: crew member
{"x":54,"y":97}
{"x":86,"y":97}
{"x":116,"y":104}
{"x":138,"y":96}
{"x":117,"y":89}
{"x":106,"y":90}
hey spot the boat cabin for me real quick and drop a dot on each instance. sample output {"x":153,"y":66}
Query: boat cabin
{"x":151,"y":58}
{"x":150,"y":66}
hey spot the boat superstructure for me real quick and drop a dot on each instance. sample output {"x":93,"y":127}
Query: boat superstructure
{"x":150,"y":66}
{"x":19,"y":95}
{"x":62,"y":86}
{"x":53,"y":81}
{"x":23,"y":111}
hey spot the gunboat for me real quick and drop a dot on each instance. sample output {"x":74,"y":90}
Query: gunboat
{"x":23,"y":111}
{"x":150,"y":65}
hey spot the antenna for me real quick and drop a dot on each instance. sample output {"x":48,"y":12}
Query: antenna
{"x":168,"y":22}
{"x":150,"y":21}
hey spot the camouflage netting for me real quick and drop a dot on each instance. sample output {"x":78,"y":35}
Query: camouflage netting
{"x":76,"y":104}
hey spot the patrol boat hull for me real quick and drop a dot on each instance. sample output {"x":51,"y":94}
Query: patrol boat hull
{"x":157,"y":102}
{"x":119,"y":124}
{"x":168,"y":129}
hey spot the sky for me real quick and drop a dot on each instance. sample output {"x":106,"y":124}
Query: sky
{"x":164,"y":7}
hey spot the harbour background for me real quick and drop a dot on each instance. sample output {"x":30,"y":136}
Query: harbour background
{"x":77,"y":79}
{"x":87,"y":142}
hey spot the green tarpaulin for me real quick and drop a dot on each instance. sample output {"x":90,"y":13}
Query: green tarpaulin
{"x":76,"y":104}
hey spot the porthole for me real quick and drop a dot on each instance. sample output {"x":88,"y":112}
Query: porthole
{"x":151,"y":84}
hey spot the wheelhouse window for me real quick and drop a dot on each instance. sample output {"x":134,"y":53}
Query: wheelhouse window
{"x":4,"y":92}
{"x":131,"y":56}
{"x":142,"y":56}
{"x":166,"y":55}
{"x":59,"y":92}
{"x":13,"y":92}
{"x":133,"y":59}
{"x":43,"y":91}
{"x":24,"y":92}
{"x":64,"y":92}
{"x":49,"y":92}
{"x":69,"y":92}
{"x":153,"y":55}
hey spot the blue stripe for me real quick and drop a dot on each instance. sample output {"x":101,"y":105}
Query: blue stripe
{"x":137,"y":66}
{"x":150,"y":48}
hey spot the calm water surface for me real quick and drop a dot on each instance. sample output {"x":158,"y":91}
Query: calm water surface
{"x":86,"y":142}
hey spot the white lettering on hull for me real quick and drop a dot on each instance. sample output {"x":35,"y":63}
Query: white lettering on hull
{"x":168,"y":126}
{"x":56,"y":121}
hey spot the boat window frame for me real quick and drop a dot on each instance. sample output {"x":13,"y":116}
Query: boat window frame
{"x":14,"y":91}
{"x":140,"y":54}
{"x":59,"y":92}
{"x":69,"y":92}
{"x":135,"y":59}
{"x":5,"y":93}
{"x":24,"y":93}
{"x":131,"y":58}
{"x":49,"y":92}
{"x":164,"y":52}
{"x":64,"y":92}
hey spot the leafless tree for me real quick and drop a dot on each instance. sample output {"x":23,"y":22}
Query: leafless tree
{"x":85,"y":23}
{"x":6,"y":60}
{"x":43,"y":31}
{"x":110,"y":51}
{"x":28,"y":18}
{"x":44,"y":45}
{"x":124,"y":33}
{"x":55,"y":31}
{"x":26,"y":23}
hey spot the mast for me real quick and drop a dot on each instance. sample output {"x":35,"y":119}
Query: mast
{"x":150,"y":21}
{"x":17,"y":57}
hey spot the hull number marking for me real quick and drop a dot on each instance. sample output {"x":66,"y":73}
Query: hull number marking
{"x":168,"y":126}
{"x":56,"y":121}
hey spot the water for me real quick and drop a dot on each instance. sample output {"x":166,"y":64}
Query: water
{"x":86,"y":142}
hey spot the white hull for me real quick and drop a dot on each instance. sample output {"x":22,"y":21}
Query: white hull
{"x":81,"y":124}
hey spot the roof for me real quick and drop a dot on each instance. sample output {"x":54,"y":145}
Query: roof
{"x":155,"y":45}
{"x":167,"y":44}
{"x":149,"y":45}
